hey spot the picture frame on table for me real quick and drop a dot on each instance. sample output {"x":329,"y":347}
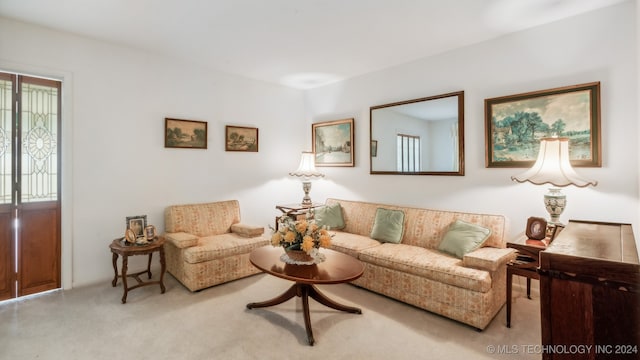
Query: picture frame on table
{"x":241,"y":138}
{"x":185,"y":134}
{"x":515,"y":124}
{"x":332,"y":143}
{"x":150,"y":232}
{"x":536,"y":228}
{"x":137,"y":224}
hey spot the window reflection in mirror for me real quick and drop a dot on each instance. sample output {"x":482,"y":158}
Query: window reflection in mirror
{"x":418,"y":137}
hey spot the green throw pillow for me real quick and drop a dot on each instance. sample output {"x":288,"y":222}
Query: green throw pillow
{"x":463,"y":237}
{"x":388,"y":225}
{"x":330,"y":216}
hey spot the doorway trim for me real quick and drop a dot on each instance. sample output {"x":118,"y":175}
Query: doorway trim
{"x":66,"y":148}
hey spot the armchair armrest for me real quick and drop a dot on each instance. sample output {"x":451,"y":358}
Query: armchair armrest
{"x":488,"y":258}
{"x":181,"y":239}
{"x":247,"y":231}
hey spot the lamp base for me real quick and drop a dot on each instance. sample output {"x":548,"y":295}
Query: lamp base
{"x":306,"y":187}
{"x":555,"y":202}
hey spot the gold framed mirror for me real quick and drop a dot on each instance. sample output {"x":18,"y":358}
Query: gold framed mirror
{"x":422,"y":136}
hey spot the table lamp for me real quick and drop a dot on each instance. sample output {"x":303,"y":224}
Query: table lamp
{"x":307,"y":171}
{"x":553,"y":167}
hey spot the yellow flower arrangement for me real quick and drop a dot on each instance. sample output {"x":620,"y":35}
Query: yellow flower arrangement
{"x":303,"y":235}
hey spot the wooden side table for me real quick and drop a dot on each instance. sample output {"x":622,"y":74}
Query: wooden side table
{"x":122,"y":248}
{"x":526,"y":265}
{"x":296,"y":211}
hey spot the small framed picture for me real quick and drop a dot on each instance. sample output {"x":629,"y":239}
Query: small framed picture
{"x":332,"y":143}
{"x":239,"y":138}
{"x":188,"y":134}
{"x":536,"y":228}
{"x":150,"y":232}
{"x":137,"y":224}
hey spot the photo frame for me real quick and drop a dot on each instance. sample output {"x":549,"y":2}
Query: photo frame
{"x":240,"y":138}
{"x":515,"y":124}
{"x":137,"y":224}
{"x":150,"y":232}
{"x":536,"y":228}
{"x":185,"y":134}
{"x":374,"y":148}
{"x":332,"y":143}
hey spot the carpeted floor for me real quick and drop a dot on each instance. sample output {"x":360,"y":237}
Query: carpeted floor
{"x":91,"y":323}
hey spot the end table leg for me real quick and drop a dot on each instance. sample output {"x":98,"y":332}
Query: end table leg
{"x":114,"y":260}
{"x":163,"y":266}
{"x":124,"y":278}
{"x":509,"y":279}
{"x":528,"y":288}
{"x":149,"y":265}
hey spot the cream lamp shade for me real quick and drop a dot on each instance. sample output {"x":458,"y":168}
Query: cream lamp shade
{"x":553,"y":167}
{"x":307,"y":171}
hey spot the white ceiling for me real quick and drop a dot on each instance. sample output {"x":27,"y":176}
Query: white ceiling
{"x":297,"y":43}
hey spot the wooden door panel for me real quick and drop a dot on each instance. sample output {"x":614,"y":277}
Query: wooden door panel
{"x":39,"y":248}
{"x":7,"y":277}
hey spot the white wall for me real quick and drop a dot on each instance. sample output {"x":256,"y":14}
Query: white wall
{"x":598,"y":46}
{"x":114,"y":161}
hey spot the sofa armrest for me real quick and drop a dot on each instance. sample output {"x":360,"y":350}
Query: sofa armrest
{"x":488,"y":258}
{"x":247,"y":231}
{"x":181,"y":239}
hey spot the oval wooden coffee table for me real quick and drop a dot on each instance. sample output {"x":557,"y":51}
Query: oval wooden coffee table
{"x":338,"y":268}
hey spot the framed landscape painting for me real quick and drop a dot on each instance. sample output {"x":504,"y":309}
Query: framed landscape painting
{"x":239,"y":138}
{"x":333,"y":143}
{"x":515,"y":124}
{"x":187,"y":134}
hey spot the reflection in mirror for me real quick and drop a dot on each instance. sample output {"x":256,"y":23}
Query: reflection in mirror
{"x":419,"y":137}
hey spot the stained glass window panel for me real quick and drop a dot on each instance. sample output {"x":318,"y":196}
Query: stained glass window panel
{"x":6,"y":136}
{"x":39,"y":134}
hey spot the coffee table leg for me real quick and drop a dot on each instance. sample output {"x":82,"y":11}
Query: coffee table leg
{"x":291,"y":292}
{"x":324,"y":300}
{"x":305,"y":291}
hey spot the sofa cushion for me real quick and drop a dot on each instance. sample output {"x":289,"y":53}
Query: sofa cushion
{"x":221,"y":246}
{"x":351,"y":244}
{"x":245,"y":230}
{"x":329,"y":216}
{"x":428,"y":263}
{"x":488,"y":258}
{"x":202,"y":219}
{"x":181,"y":239}
{"x":463,"y":237}
{"x":388,"y":225}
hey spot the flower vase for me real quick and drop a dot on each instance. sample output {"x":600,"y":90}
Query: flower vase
{"x":299,"y":256}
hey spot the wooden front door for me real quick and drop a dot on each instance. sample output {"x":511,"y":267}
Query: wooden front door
{"x":29,"y":185}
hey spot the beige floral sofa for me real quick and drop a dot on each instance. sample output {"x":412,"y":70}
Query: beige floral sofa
{"x":470,"y":289}
{"x":207,"y":245}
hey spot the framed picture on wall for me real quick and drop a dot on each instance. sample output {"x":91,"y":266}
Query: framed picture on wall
{"x":515,"y":124}
{"x":333,"y":143}
{"x":240,"y":138}
{"x":188,"y":134}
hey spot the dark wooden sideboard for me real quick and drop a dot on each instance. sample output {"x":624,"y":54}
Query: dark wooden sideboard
{"x":590,"y":293}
